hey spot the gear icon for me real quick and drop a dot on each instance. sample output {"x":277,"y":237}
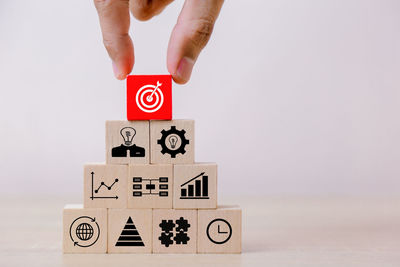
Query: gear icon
{"x":180,"y":134}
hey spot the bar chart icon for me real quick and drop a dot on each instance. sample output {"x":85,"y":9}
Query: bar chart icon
{"x":195,"y":188}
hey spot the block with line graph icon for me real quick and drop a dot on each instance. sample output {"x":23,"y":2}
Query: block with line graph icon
{"x":105,"y":186}
{"x":149,"y":97}
{"x":195,"y":186}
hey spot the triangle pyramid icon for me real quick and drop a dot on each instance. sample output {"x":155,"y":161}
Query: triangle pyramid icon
{"x":129,"y":236}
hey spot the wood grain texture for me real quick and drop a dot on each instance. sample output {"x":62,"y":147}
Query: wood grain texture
{"x":189,"y":191}
{"x":220,"y":230}
{"x":115,"y":142}
{"x":169,"y":214}
{"x":114,"y":177}
{"x":130,"y":230}
{"x":156,"y":128}
{"x":160,"y":197}
{"x":74,"y":218}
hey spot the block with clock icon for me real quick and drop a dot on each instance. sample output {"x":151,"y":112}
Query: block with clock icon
{"x":220,"y":230}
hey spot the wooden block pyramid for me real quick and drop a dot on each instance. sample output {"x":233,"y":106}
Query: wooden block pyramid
{"x":150,"y":196}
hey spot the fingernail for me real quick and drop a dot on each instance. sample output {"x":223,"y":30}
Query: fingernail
{"x":185,"y":69}
{"x":117,"y":74}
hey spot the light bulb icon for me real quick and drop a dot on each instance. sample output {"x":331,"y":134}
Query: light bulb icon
{"x":127,"y":134}
{"x":173,"y":140}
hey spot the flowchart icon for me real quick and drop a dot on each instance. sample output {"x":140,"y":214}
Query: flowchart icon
{"x":149,"y":97}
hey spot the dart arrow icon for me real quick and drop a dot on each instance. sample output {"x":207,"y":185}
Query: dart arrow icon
{"x":150,"y":97}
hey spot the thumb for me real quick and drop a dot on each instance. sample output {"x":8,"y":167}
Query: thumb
{"x":190,"y":35}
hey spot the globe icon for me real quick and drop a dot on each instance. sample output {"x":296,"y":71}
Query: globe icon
{"x":84,"y":231}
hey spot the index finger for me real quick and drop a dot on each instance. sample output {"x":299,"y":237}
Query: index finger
{"x":114,"y":22}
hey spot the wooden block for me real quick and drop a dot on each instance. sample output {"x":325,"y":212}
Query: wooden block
{"x":172,"y":141}
{"x":105,"y":186}
{"x":127,"y":142}
{"x":84,"y":230}
{"x":130,"y":230}
{"x":150,"y":186}
{"x":220,"y":230}
{"x":149,"y":97}
{"x":195,"y":186}
{"x":174,"y":231}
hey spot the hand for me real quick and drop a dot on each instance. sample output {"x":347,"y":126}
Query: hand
{"x":189,"y":36}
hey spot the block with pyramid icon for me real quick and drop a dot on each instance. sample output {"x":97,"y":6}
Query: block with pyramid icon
{"x":127,"y":142}
{"x":84,"y":230}
{"x":172,"y":141}
{"x":130,"y":230}
{"x":105,"y":186}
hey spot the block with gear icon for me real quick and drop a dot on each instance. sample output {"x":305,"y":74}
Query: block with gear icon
{"x":174,"y":231}
{"x":172,"y":141}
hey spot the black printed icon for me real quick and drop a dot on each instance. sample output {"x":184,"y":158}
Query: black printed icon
{"x":219,"y":231}
{"x":173,"y":141}
{"x":157,"y":186}
{"x":100,"y":187}
{"x":84,"y":231}
{"x":128,"y":133}
{"x":130,"y":236}
{"x":195,"y":188}
{"x":180,"y":226}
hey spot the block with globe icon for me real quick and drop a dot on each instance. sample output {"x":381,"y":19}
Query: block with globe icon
{"x":150,"y":195}
{"x":85,"y":230}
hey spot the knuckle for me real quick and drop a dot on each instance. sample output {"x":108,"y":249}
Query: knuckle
{"x":201,"y":31}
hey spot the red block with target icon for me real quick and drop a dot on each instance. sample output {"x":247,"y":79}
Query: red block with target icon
{"x":149,"y":97}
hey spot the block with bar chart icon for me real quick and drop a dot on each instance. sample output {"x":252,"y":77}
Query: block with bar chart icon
{"x":127,"y":142}
{"x":150,"y":186}
{"x":172,"y":142}
{"x":84,"y":230}
{"x":195,"y":186}
{"x":105,"y":186}
{"x":130,"y":230}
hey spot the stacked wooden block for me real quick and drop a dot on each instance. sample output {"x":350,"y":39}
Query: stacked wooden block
{"x":150,"y":196}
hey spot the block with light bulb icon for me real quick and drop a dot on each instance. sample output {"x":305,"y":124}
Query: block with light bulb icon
{"x":127,"y":142}
{"x":172,"y":142}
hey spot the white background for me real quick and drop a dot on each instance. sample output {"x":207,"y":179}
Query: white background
{"x":289,"y":97}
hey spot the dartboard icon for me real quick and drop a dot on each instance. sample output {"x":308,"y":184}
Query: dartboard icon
{"x":150,"y":98}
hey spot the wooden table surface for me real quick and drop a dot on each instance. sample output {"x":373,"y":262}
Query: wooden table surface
{"x":277,"y":231}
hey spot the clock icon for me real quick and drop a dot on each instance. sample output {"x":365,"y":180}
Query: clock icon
{"x":219,"y":231}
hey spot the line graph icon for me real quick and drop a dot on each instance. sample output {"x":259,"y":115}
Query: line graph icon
{"x":100,"y":188}
{"x":150,"y":98}
{"x":195,"y":188}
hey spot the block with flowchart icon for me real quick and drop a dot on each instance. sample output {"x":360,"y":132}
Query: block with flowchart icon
{"x":150,"y":195}
{"x":150,"y":186}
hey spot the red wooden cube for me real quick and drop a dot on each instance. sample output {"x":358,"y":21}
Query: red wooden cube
{"x":149,"y":97}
